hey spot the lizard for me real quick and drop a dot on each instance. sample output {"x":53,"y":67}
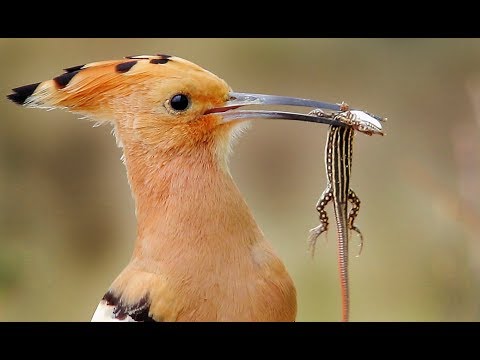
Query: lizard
{"x":338,"y":163}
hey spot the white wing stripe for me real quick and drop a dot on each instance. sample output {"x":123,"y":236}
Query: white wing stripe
{"x":104,"y":313}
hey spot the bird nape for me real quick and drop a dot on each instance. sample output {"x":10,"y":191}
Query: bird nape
{"x":199,"y":255}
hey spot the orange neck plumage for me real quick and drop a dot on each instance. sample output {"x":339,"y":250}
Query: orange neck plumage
{"x":186,"y":200}
{"x":199,"y":254}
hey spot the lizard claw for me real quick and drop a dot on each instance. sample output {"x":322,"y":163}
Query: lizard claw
{"x":312,"y":239}
{"x":361,"y":240}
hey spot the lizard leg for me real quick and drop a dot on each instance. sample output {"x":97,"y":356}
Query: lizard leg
{"x":327,"y":195}
{"x":355,"y":201}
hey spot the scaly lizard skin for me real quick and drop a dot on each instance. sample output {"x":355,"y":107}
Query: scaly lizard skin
{"x":338,"y":164}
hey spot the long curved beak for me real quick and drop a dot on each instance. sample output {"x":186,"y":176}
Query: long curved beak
{"x":230,"y":113}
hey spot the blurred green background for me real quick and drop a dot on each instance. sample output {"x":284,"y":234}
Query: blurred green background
{"x":67,"y":220}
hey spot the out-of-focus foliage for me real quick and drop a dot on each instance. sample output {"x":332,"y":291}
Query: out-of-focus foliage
{"x":67,"y":220}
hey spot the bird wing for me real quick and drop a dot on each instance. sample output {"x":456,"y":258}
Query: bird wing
{"x":139,"y":295}
{"x":110,"y":309}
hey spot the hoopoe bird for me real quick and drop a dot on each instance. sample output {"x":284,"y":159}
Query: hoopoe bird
{"x":199,"y":254}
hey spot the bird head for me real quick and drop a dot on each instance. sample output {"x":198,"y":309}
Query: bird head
{"x":160,"y":102}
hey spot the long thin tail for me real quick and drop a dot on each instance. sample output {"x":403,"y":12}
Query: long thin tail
{"x":342,"y":233}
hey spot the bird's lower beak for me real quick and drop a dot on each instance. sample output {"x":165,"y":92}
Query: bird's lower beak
{"x":230,"y":113}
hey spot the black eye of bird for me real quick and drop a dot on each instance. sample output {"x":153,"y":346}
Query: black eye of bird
{"x":179,"y":102}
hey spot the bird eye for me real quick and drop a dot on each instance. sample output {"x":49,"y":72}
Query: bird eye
{"x":179,"y":102}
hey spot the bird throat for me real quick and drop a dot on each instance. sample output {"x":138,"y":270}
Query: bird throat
{"x":187,"y":204}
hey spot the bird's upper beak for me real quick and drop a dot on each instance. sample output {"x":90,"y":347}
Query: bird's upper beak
{"x":230,"y":113}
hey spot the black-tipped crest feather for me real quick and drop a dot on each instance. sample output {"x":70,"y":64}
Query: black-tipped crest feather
{"x":64,"y":79}
{"x":22,"y":93}
{"x":124,"y":67}
{"x":74,"y":68}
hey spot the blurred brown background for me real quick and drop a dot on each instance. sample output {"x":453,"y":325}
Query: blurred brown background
{"x":67,"y":220}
